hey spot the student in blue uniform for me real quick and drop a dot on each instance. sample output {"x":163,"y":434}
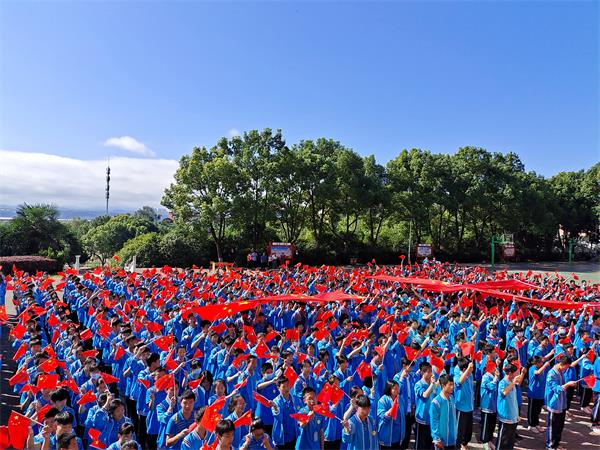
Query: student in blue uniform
{"x":284,"y":427}
{"x":488,"y":403}
{"x":390,"y":429}
{"x":425,"y":390}
{"x":508,"y":407}
{"x":311,"y":435}
{"x":556,"y":401}
{"x":463,"y":385}
{"x":443,"y":415}
{"x":178,"y":425}
{"x":360,"y":431}
{"x":257,"y":439}
{"x":535,"y":392}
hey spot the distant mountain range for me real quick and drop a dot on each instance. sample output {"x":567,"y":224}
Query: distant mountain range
{"x":8,"y":212}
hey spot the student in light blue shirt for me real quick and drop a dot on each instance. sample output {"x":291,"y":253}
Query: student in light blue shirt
{"x":464,"y":396}
{"x":508,"y":407}
{"x":535,"y":391}
{"x":489,"y":399}
{"x":556,"y":401}
{"x":257,"y":439}
{"x":442,"y":414}
{"x":425,"y":391}
{"x":284,"y":427}
{"x":360,"y":431}
{"x":311,"y":435}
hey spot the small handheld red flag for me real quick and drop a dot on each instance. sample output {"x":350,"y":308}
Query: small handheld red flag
{"x":261,"y":399}
{"x":394,"y":409}
{"x":108,"y":378}
{"x":590,"y":380}
{"x":244,"y":420}
{"x":88,"y":397}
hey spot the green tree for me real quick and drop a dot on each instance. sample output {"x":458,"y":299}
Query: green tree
{"x":318,"y":159}
{"x":36,"y":229}
{"x":107,"y":239}
{"x":352,"y":198}
{"x":145,"y":247}
{"x":377,"y":197}
{"x":290,"y":200}
{"x":254,"y":154}
{"x":206,"y":193}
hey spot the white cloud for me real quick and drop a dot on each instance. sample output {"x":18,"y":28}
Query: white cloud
{"x":76,"y":183}
{"x":130,"y":144}
{"x":233,"y":133}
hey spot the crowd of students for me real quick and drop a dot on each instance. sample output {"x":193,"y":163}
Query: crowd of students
{"x":300,"y":357}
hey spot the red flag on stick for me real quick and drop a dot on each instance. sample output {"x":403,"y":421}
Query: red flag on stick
{"x":212,"y":415}
{"x":244,"y":419}
{"x":261,"y":399}
{"x":88,"y":397}
{"x":394,"y":409}
{"x":590,"y":380}
{"x":18,"y":429}
{"x":364,"y":370}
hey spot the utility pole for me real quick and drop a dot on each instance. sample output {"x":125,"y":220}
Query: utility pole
{"x":107,"y":185}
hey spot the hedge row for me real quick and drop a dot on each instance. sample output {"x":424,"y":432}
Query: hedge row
{"x":28,"y":263}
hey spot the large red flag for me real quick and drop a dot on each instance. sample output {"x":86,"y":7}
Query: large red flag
{"x":18,"y":429}
{"x":212,"y":415}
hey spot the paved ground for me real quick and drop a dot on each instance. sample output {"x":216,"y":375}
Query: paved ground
{"x":585,"y":270}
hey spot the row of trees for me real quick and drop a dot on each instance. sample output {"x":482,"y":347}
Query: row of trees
{"x":332,"y":203}
{"x":330,"y":200}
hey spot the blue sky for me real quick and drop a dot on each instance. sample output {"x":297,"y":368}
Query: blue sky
{"x":379,"y":77}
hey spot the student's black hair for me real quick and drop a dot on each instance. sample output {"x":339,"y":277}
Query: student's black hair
{"x":126,"y":428}
{"x":114,"y":404}
{"x":224,"y":426}
{"x":463,"y":363}
{"x":64,"y":440}
{"x":282,"y":380}
{"x":535,"y":359}
{"x":152,"y":358}
{"x":266,"y":366}
{"x":355,"y":391}
{"x":307,"y":390}
{"x":340,"y":359}
{"x":59,"y":394}
{"x":564,"y":359}
{"x":129,"y":445}
{"x":424,"y":366}
{"x":444,"y":379}
{"x":188,"y":395}
{"x":389,"y":385}
{"x":257,"y":424}
{"x":362,"y":401}
{"x":51,"y":413}
{"x":64,"y":418}
{"x":510,"y":368}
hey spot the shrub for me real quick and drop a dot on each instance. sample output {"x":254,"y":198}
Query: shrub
{"x":29,"y":263}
